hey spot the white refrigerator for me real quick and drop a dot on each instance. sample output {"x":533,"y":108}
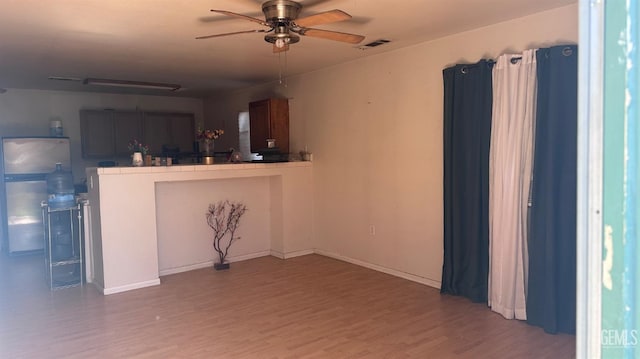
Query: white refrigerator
{"x":26,"y":161}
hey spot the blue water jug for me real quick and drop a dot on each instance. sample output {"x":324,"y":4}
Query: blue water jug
{"x":60,"y":188}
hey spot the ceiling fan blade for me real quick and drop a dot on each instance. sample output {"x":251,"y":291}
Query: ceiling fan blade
{"x":280,"y":49}
{"x":240,"y":16}
{"x":332,"y":35}
{"x":228,"y":34}
{"x":323,"y":18}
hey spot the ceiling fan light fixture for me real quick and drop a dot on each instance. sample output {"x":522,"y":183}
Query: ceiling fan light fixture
{"x":132,"y":84}
{"x":280,"y":43}
{"x":281,"y":36}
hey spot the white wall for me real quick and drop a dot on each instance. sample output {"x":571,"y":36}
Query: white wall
{"x":375,"y":128}
{"x":28,"y":112}
{"x":185,"y":239}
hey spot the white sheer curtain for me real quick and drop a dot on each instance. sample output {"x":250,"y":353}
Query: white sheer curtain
{"x":510,"y":164}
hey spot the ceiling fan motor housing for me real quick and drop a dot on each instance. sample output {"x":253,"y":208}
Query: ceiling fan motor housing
{"x":280,"y":14}
{"x":281,"y":11}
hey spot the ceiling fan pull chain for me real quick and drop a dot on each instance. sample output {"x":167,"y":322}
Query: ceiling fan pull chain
{"x":285,"y":69}
{"x":284,"y":81}
{"x":280,"y":68}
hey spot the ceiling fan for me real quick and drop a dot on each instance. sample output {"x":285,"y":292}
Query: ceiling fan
{"x":284,"y":26}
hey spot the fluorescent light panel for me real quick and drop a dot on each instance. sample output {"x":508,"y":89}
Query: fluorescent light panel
{"x":132,"y":84}
{"x":60,"y":78}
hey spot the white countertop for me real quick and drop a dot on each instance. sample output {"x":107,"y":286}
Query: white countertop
{"x":199,"y":167}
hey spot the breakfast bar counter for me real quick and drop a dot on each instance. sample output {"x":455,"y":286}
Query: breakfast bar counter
{"x":149,"y":221}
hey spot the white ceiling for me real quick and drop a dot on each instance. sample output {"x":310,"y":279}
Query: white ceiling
{"x":153,"y":40}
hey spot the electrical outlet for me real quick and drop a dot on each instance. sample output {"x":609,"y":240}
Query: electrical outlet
{"x":372,"y":230}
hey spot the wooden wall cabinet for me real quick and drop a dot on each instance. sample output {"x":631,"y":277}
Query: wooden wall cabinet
{"x":107,"y":133}
{"x":269,"y":119}
{"x":175,"y":129}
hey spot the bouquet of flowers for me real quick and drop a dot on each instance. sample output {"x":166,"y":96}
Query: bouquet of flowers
{"x":208,"y":134}
{"x":137,"y":146}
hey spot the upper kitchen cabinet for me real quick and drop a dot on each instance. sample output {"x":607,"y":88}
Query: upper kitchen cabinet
{"x":106,"y":133}
{"x":128,"y":126}
{"x":171,"y":129}
{"x":269,"y":119}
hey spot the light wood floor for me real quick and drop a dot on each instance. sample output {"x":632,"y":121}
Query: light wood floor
{"x":305,"y":307}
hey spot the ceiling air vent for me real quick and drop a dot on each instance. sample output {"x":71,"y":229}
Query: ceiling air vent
{"x":373,"y":44}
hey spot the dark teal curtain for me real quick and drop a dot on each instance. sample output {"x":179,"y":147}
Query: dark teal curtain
{"x":551,"y":297}
{"x":467,"y":130}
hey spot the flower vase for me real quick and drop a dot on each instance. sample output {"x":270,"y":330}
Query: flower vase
{"x":136,"y":159}
{"x":208,"y":147}
{"x":207,"y":157}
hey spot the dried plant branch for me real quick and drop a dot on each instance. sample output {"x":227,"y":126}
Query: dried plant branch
{"x":224,"y":217}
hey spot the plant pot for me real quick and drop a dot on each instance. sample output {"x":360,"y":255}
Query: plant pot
{"x":136,"y":159}
{"x":221,"y":266}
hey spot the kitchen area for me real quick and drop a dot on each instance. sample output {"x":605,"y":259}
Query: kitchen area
{"x":103,"y":176}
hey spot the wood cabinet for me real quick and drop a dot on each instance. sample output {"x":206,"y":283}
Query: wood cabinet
{"x":174,"y":129}
{"x":127,"y":127}
{"x":269,"y":119}
{"x":107,"y":133}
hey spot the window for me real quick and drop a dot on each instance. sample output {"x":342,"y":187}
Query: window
{"x":245,"y":138}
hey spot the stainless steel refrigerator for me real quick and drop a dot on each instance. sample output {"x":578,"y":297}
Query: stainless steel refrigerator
{"x":26,"y":161}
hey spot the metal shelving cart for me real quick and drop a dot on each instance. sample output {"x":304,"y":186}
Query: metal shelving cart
{"x":63,"y":245}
